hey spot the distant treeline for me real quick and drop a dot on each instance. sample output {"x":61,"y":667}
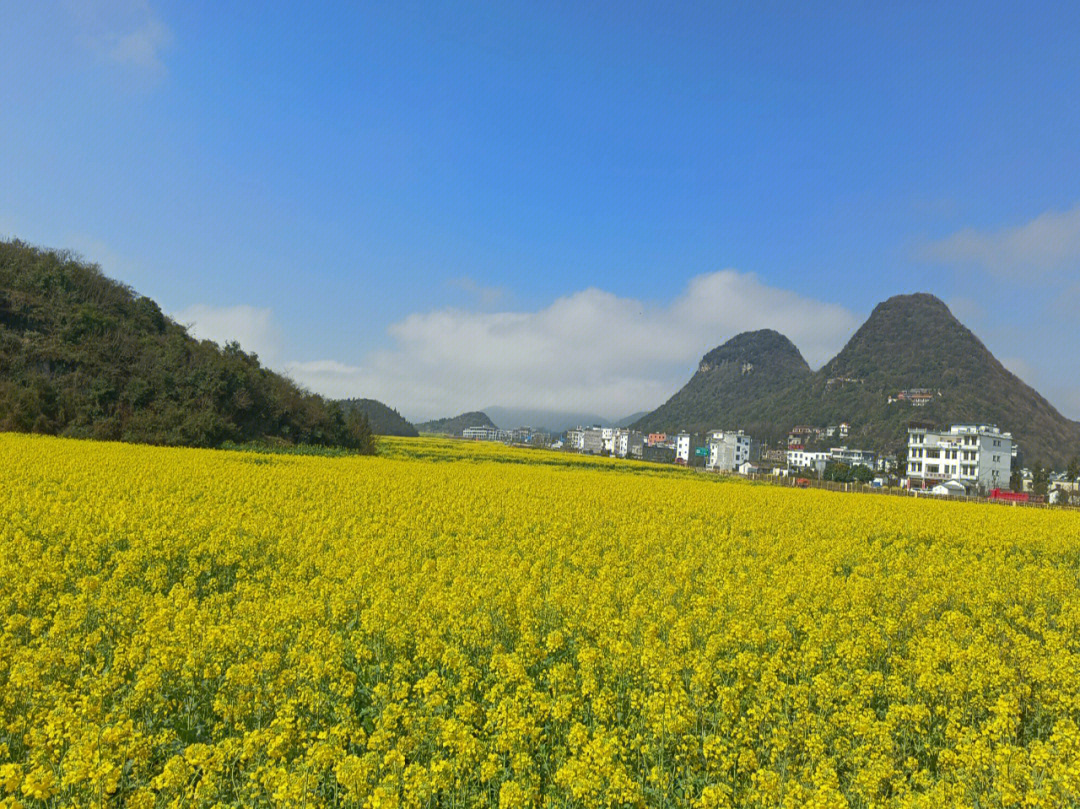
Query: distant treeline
{"x":84,"y":356}
{"x":384,"y":420}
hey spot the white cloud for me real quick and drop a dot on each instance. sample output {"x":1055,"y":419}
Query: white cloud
{"x":128,"y":33}
{"x":252,"y":327}
{"x":143,"y":46}
{"x":485,"y":295}
{"x":1049,"y":242}
{"x":589,"y":351}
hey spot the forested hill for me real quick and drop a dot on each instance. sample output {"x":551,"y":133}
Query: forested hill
{"x":758,"y":381}
{"x":744,"y":383}
{"x":455,"y":424}
{"x":384,"y":420}
{"x":914,"y":341}
{"x":82,"y":355}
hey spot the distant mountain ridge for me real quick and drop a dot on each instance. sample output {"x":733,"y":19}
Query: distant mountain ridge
{"x":453,"y":425}
{"x":627,"y":420}
{"x":510,"y":418}
{"x":757,"y":381}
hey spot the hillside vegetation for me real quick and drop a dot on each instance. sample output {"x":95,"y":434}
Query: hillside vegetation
{"x":914,"y":341}
{"x":744,"y":384}
{"x":384,"y":420}
{"x":84,"y":356}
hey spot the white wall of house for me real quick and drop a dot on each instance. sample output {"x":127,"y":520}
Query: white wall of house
{"x":728,"y":450}
{"x":593,"y":441}
{"x":575,"y":439}
{"x":803,"y":459}
{"x":852,"y":457}
{"x":628,"y":443}
{"x":995,"y":460}
{"x":484,"y":434}
{"x":978,"y":454}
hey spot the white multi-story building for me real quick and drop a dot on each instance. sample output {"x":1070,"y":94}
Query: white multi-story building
{"x":607,"y":440}
{"x":575,"y":439}
{"x":628,"y":443}
{"x":523,"y":435}
{"x":682,"y":448}
{"x":975,"y":454}
{"x":852,"y":457}
{"x":485,"y":434}
{"x":592,"y":442}
{"x":729,"y":449}
{"x":804,"y":459}
{"x":886,"y":463}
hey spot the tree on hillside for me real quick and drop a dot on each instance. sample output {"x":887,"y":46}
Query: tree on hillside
{"x":837,"y":472}
{"x":359,"y":429}
{"x":862,"y":474}
{"x":1070,"y":495}
{"x":383,"y":420}
{"x":1040,"y":480}
{"x":1016,"y":481}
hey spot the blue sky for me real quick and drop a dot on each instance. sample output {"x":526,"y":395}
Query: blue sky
{"x":449,"y":206}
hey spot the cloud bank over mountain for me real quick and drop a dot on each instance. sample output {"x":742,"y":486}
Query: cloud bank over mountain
{"x":591,"y":350}
{"x":1047,"y":244}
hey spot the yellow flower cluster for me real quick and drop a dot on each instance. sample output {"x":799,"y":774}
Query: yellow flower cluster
{"x":465,"y":625}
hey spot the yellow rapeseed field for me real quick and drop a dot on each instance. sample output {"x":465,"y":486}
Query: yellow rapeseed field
{"x":462,"y":625}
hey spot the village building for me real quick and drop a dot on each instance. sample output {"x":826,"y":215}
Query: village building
{"x":978,"y":455}
{"x":728,"y":450}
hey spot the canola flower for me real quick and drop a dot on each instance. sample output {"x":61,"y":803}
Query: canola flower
{"x":466,"y":625}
